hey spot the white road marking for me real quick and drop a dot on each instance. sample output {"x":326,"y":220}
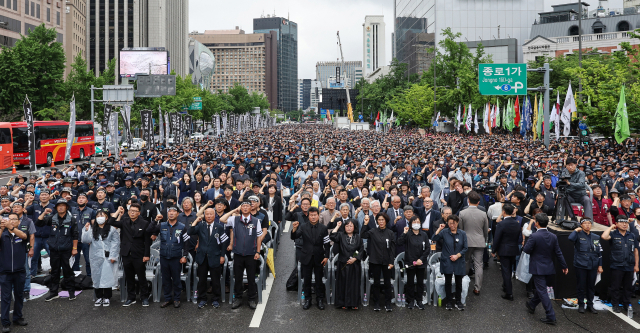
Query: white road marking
{"x":287,"y":226}
{"x":624,"y":317}
{"x":259,"y":312}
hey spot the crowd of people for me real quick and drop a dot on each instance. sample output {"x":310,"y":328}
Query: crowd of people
{"x":357,"y":195}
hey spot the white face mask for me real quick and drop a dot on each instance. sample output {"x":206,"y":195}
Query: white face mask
{"x":128,"y":207}
{"x":268,"y":168}
{"x":415,"y":226}
{"x":101,"y":219}
{"x":467,"y":191}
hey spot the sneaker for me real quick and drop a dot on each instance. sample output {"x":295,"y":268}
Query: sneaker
{"x":20,"y":322}
{"x":449,"y":306}
{"x":215,"y":304}
{"x":26,"y":296}
{"x":376,"y":307}
{"x":460,"y":306}
{"x":145,"y":302}
{"x":420,"y":305}
{"x":51,"y":297}
{"x":6,"y":329}
{"x":72,"y":296}
{"x":202,"y":304}
{"x":98,"y":302}
{"x":105,"y":302}
{"x":252,"y":304}
{"x":129,"y":302}
{"x":388,"y":308}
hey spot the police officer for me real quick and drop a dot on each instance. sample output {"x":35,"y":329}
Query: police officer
{"x":102,"y":204}
{"x":112,"y":196}
{"x":128,"y":191}
{"x":173,"y":253}
{"x":13,"y":252}
{"x":587,"y":259}
{"x":63,"y":243}
{"x":624,"y":261}
{"x":167,"y":187}
{"x":83,"y":214}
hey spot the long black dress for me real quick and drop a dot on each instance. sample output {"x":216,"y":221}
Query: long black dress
{"x":348,"y":276}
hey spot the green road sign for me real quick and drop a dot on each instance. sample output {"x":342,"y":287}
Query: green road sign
{"x":197,"y":104}
{"x":502,"y":79}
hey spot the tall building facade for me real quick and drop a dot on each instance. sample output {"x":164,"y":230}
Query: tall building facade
{"x":20,"y":16}
{"x":110,"y":29}
{"x":287,"y":55}
{"x":326,"y":71}
{"x":168,"y":27}
{"x":304,"y":94}
{"x":419,"y":23}
{"x":202,"y":62}
{"x":248,"y":59}
{"x":373,"y":43}
{"x":75,"y":31}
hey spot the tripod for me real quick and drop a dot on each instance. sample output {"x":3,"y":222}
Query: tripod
{"x":563,"y":206}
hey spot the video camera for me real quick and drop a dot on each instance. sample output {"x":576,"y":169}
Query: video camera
{"x":563,"y":184}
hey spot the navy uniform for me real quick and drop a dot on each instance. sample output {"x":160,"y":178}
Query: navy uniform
{"x":624,"y":254}
{"x":113,"y":197}
{"x":126,"y":193}
{"x":168,"y":188}
{"x":246,"y":231}
{"x":64,"y":237}
{"x":105,"y":206}
{"x":212,"y":247}
{"x":42,"y":233}
{"x":83,"y":215}
{"x":13,"y":254}
{"x":173,"y":238}
{"x":587,"y":257}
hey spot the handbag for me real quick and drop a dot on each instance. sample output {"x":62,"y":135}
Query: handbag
{"x":522,"y":271}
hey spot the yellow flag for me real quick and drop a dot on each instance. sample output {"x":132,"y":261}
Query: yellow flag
{"x":270,"y":263}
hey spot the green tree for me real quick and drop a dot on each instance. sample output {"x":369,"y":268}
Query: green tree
{"x":33,"y":67}
{"x":78,"y":84}
{"x":415,"y":104}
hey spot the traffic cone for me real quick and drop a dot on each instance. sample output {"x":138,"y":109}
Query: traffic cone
{"x":109,"y":153}
{"x":52,"y":164}
{"x":14,"y":170}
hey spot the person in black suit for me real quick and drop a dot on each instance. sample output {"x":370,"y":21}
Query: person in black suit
{"x":505,"y":245}
{"x":315,"y":254}
{"x":543,"y":246}
{"x":135,"y":249}
{"x":428,"y":216}
{"x":212,"y":245}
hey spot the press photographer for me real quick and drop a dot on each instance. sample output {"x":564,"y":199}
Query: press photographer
{"x":576,"y":188}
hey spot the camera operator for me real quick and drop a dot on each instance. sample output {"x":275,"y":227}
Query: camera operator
{"x":576,"y":187}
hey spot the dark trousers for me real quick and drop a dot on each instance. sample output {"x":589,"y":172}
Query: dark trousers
{"x":413,"y":290}
{"x":447,"y":288}
{"x":83,"y":250}
{"x":58,"y":259}
{"x":11,"y":282}
{"x":171,"y":269}
{"x":376,"y":288}
{"x":105,"y":293}
{"x":203,"y":272}
{"x":621,"y":279}
{"x":40,"y":243}
{"x":505,"y":265}
{"x":308,"y":270}
{"x":132,"y":267}
{"x":240,"y":264}
{"x":540,"y":296}
{"x":586,"y":279}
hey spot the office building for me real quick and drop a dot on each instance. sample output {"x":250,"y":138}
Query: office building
{"x":304,"y":94}
{"x":555,"y":33}
{"x":19,"y":16}
{"x":287,"y":55}
{"x":373,"y":43}
{"x":315,"y":93}
{"x":75,"y":31}
{"x":110,"y":29}
{"x":202,"y":62}
{"x":248,"y":59}
{"x":352,"y":70}
{"x":168,"y":27}
{"x":419,"y":24}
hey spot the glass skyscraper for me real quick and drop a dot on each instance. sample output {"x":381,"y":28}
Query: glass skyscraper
{"x":287,"y":33}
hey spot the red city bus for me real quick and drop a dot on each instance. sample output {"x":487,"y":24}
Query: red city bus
{"x":6,"y":146}
{"x":51,"y":141}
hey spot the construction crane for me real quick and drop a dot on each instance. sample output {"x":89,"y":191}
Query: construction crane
{"x":346,"y":85}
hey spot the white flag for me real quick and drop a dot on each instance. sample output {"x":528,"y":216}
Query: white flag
{"x":160,"y":127}
{"x":567,"y":109}
{"x":458,"y":119}
{"x":71,"y":133}
{"x":555,"y":116}
{"x":468,"y":123}
{"x":475,"y":122}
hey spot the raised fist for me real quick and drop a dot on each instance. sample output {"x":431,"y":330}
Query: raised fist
{"x":339,"y":224}
{"x":295,"y":224}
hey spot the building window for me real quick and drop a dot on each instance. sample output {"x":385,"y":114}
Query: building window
{"x":38,"y":11}
{"x":33,"y":9}
{"x":26,"y":7}
{"x":48,"y":14}
{"x":57,"y":18}
{"x":624,"y":26}
{"x":574,"y":31}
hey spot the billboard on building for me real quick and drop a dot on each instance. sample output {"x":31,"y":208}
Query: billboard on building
{"x":143,"y":62}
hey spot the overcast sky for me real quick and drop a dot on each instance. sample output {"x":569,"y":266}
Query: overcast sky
{"x":318,"y":21}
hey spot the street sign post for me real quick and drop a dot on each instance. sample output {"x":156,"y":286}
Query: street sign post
{"x":502,"y":79}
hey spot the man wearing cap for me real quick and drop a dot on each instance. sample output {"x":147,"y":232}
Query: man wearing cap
{"x":173,"y":253}
{"x":128,"y":191}
{"x":576,"y":190}
{"x":166,"y":186}
{"x":246,"y":236}
{"x":587,"y":260}
{"x":28,"y":227}
{"x":63,"y":243}
{"x":42,"y":233}
{"x":624,"y":261}
{"x":83,"y":214}
{"x":13,"y":251}
{"x":101,"y":202}
{"x":112,"y":196}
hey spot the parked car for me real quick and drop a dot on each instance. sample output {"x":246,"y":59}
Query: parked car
{"x":136,"y":144}
{"x":197,"y":136}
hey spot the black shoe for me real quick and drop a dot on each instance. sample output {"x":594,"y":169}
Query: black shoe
{"x":581,"y":308}
{"x":306,"y":305}
{"x":6,"y":329}
{"x":215,"y":304}
{"x":420,"y":305}
{"x":592,"y":309}
{"x":460,"y":306}
{"x":236,"y":303}
{"x":529,"y":295}
{"x":129,"y":302}
{"x":176,"y":304}
{"x":252,"y":304}
{"x":388,"y":308}
{"x":72,"y":296}
{"x":376,"y":307}
{"x":410,"y":305}
{"x":26,"y":296}
{"x":507,"y":297}
{"x":202,"y":304}
{"x":617,"y":309}
{"x":548,"y":321}
{"x":531,"y":310}
{"x":449,"y":306}
{"x":145,"y":302}
{"x":20,"y":322}
{"x":320,"y":304}
{"x":51,"y":297}
{"x":165,"y":304}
